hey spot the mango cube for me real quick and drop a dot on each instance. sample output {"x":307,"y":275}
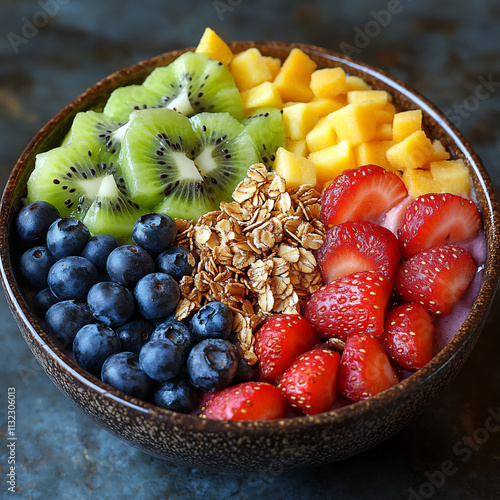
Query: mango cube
{"x":372,"y":153}
{"x":298,"y":120}
{"x":321,"y":136}
{"x":295,"y":169}
{"x":328,"y":82}
{"x":405,"y":123}
{"x":274,"y":65}
{"x":419,"y":182}
{"x":413,"y":152}
{"x":354,"y":122}
{"x":332,"y":161}
{"x":385,"y":114}
{"x":213,"y":46}
{"x":323,"y":106}
{"x":451,"y":176}
{"x":249,"y":69}
{"x":298,"y":147}
{"x":383,"y":132}
{"x":379,"y":97}
{"x":293,"y":79}
{"x":356,"y":83}
{"x":264,"y":95}
{"x":440,"y":152}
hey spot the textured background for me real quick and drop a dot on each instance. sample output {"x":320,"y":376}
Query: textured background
{"x":52,"y":50}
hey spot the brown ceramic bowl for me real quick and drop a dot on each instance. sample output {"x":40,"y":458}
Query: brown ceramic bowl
{"x":281,"y":444}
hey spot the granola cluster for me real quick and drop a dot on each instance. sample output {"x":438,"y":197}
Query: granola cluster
{"x":255,"y":254}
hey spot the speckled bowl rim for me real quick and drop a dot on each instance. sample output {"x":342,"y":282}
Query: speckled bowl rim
{"x":341,"y":416}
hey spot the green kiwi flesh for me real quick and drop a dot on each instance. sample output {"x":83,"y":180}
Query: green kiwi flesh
{"x":266,"y":129}
{"x":194,"y":83}
{"x":184,"y":167}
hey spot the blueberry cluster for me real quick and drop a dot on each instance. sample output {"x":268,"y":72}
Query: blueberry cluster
{"x":114,"y":305}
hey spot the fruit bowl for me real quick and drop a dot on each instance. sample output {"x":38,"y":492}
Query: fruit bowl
{"x":244,"y":445}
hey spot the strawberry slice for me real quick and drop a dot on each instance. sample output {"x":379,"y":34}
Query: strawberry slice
{"x":365,"y":368}
{"x":309,"y":384}
{"x":246,"y":401}
{"x":352,"y":247}
{"x":279,"y":341}
{"x":351,"y":305}
{"x":435,"y":220}
{"x":408,"y":336}
{"x":365,"y":193}
{"x":435,"y":278}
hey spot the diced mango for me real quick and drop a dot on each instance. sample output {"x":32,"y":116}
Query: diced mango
{"x":356,"y":83}
{"x":321,"y":136}
{"x":298,"y":147}
{"x":323,"y":106}
{"x":440,"y":152}
{"x":328,"y":82}
{"x":213,"y":46}
{"x":386,"y":113}
{"x":295,"y":169}
{"x":263,"y":95}
{"x":378,"y":97}
{"x":298,"y":120}
{"x":293,"y":79}
{"x":274,"y":65}
{"x":419,"y":182}
{"x":405,"y":123}
{"x":383,"y":132}
{"x":451,"y":176}
{"x":412,"y":152}
{"x":331,"y":162}
{"x":372,"y":153}
{"x":354,"y":122}
{"x":249,"y":69}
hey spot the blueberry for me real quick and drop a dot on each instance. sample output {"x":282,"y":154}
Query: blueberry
{"x":34,"y":220}
{"x":177,"y":394}
{"x":94,"y":344}
{"x":127,"y":264}
{"x":212,"y":321}
{"x":72,"y":277}
{"x":134,"y":334}
{"x":64,"y":319}
{"x":246,"y":372}
{"x":212,"y":364}
{"x":157,"y":295}
{"x":123,"y":372}
{"x":67,"y":236}
{"x":111,"y":303}
{"x":175,"y":331}
{"x":43,"y":300}
{"x":161,"y":359}
{"x":154,"y":232}
{"x":98,"y":249}
{"x":176,"y":261}
{"x":35,"y":265}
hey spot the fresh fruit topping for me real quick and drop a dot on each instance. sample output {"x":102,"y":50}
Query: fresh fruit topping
{"x":177,"y":394}
{"x":435,"y":220}
{"x":154,"y":232}
{"x":123,"y":371}
{"x":98,"y":248}
{"x":161,"y":359}
{"x":134,"y":334}
{"x":309,"y":384}
{"x":111,"y":303}
{"x":212,"y":364}
{"x":43,"y":300}
{"x":183,"y":167}
{"x":436,"y":278}
{"x":176,"y":261}
{"x":34,"y":220}
{"x":408,"y":336}
{"x":352,"y":247}
{"x":35,"y":265}
{"x":362,"y":194}
{"x":365,"y":369}
{"x":176,"y":332}
{"x":194,"y":83}
{"x":213,"y":321}
{"x":156,"y":295}
{"x":67,"y":236}
{"x":279,"y":341}
{"x":246,"y":401}
{"x":351,"y":305}
{"x":127,"y":264}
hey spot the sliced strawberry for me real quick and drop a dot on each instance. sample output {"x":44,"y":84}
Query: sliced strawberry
{"x":408,"y":336}
{"x":246,"y":401}
{"x":352,"y":247}
{"x":279,"y":341}
{"x":434,"y":220}
{"x":435,"y":278}
{"x":365,"y":368}
{"x":365,"y":193}
{"x":309,"y":384}
{"x":351,"y":305}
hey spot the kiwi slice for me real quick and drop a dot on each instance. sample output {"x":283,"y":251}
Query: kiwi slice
{"x":77,"y":179}
{"x":266,"y":129}
{"x":125,"y":100}
{"x":96,"y":128}
{"x":194,"y":83}
{"x":185,"y":167}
